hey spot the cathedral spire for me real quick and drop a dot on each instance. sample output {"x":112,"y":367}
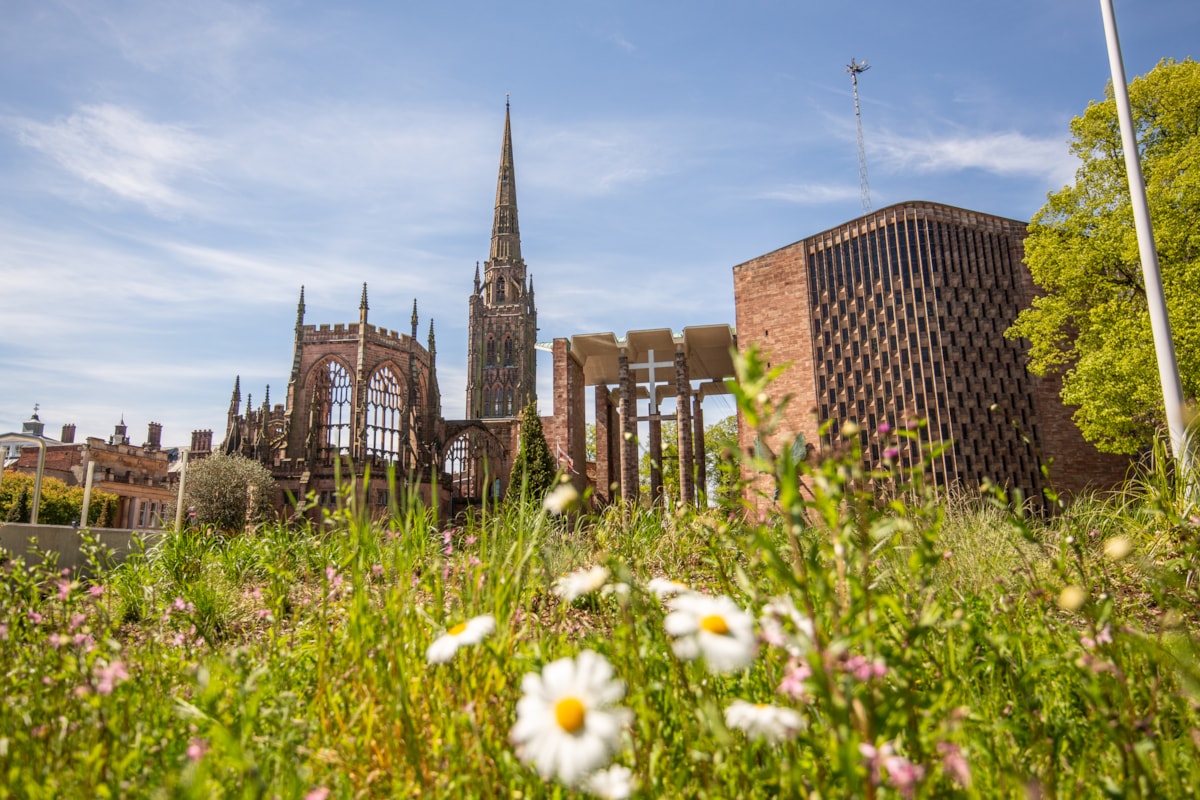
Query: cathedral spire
{"x":414,"y":319}
{"x":300,"y":310}
{"x":506,"y":233}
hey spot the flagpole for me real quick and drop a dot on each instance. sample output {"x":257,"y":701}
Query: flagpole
{"x":1160,"y":324}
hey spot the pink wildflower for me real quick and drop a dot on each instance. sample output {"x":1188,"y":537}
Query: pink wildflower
{"x":95,"y":590}
{"x":196,"y":749}
{"x":902,"y":774}
{"x":335,"y":580}
{"x":77,"y":621}
{"x":109,"y":675}
{"x":377,"y":571}
{"x":793,"y":681}
{"x":35,"y":617}
{"x":3,"y":631}
{"x":57,"y":640}
{"x":954,"y":764}
{"x":891,"y":453}
{"x":884,"y":428}
{"x":864,"y":670}
{"x":64,"y":589}
{"x":319,"y":793}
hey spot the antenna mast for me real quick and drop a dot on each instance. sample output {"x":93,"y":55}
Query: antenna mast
{"x":854,"y":68}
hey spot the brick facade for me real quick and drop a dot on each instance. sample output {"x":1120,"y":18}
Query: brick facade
{"x":898,"y":316}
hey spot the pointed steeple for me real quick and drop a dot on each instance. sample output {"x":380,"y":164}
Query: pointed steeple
{"x":476,"y":277}
{"x":267,"y":399}
{"x":362,"y":306}
{"x":432,"y":344}
{"x":235,"y":402}
{"x":300,"y":309}
{"x":414,"y":319}
{"x":506,"y":233}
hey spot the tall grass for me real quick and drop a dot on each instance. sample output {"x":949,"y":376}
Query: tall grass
{"x":957,"y":648}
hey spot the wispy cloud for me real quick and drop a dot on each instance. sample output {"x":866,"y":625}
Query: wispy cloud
{"x":1006,"y":154}
{"x":116,"y":148}
{"x":810,"y":194}
{"x":600,"y":158}
{"x":205,"y":40}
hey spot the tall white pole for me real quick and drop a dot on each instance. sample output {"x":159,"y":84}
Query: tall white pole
{"x":87,"y":493}
{"x":184,"y":453}
{"x":1160,"y":325}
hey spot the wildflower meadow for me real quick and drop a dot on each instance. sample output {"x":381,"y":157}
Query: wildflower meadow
{"x":870,"y":638}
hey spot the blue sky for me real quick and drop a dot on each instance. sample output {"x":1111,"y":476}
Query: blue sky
{"x":172,"y":172}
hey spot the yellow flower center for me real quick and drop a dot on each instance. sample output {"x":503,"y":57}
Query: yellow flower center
{"x":457,"y":629}
{"x":715,"y":623}
{"x":569,"y":713}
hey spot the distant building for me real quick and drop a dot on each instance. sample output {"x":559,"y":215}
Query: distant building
{"x":899,"y":316}
{"x":140,"y":476}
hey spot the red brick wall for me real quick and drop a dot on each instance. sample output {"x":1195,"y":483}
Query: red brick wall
{"x":773,"y":314}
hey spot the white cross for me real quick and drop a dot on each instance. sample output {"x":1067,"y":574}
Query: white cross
{"x":653,"y":382}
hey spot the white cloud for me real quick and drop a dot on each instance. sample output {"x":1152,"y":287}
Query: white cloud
{"x":1006,"y":154}
{"x":598,"y":158}
{"x":810,"y":194}
{"x":203,"y":39}
{"x":116,"y":148}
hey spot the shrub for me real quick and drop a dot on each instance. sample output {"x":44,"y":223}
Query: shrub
{"x":229,"y":491}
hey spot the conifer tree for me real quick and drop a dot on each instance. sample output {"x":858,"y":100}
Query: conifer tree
{"x":533,"y":471}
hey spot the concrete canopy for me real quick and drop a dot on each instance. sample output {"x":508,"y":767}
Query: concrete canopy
{"x":707,"y":348}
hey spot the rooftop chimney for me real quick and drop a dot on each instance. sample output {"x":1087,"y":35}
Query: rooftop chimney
{"x":68,"y":433}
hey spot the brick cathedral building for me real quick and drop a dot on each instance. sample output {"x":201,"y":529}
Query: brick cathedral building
{"x":363,"y":396}
{"x":900,"y":315}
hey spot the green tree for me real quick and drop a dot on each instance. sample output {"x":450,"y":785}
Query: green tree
{"x":720,"y":442}
{"x":534,"y":471}
{"x":720,"y":446}
{"x":1091,"y":322}
{"x":60,"y":504}
{"x":670,"y":463}
{"x":229,"y":491}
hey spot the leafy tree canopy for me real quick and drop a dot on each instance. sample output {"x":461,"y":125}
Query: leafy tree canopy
{"x":1091,"y":322}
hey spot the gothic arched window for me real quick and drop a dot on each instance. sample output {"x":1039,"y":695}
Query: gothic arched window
{"x":330,"y":418}
{"x":500,"y":290}
{"x":491,"y":352}
{"x":508,"y":351}
{"x":385,"y":410}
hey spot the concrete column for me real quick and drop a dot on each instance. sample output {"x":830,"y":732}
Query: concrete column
{"x":700,"y":452}
{"x":683,"y":420}
{"x":629,"y":451}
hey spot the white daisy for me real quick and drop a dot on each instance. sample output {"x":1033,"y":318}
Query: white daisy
{"x":784,"y":626}
{"x":563,"y":498}
{"x":713,"y":627}
{"x":761,"y":721}
{"x":473,"y":631}
{"x":568,"y":725}
{"x":614,"y":783}
{"x":580,"y":582}
{"x":665,"y":587}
